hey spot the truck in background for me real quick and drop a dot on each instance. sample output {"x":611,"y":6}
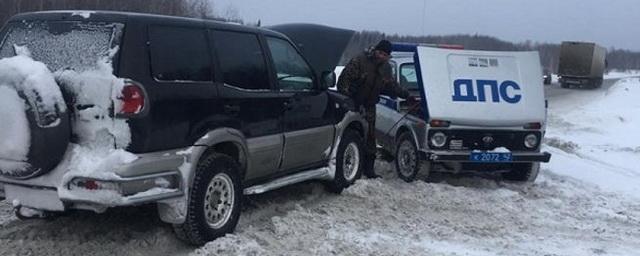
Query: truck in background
{"x":581,"y":64}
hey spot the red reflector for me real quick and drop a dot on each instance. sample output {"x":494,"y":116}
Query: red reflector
{"x":91,"y":185}
{"x":533,"y":126}
{"x":132,"y":100}
{"x":439,"y":123}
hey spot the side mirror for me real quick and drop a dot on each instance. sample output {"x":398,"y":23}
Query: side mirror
{"x":327,"y":80}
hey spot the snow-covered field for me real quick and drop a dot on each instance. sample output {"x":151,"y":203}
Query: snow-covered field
{"x":617,"y":74}
{"x":585,"y":202}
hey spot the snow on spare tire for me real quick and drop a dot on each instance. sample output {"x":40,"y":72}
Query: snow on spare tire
{"x":34,"y":124}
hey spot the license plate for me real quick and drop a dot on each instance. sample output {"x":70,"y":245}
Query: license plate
{"x":487,"y":157}
{"x":43,"y":199}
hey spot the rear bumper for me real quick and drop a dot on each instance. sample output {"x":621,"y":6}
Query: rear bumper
{"x":150,"y":178}
{"x":124,"y":192}
{"x":577,"y":80}
{"x":465,"y":157}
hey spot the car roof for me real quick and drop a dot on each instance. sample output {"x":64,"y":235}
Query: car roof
{"x":124,"y":17}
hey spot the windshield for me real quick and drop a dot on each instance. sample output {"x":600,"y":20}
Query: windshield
{"x":62,"y":45}
{"x":408,"y":77}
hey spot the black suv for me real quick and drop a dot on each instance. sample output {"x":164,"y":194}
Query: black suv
{"x":195,"y":115}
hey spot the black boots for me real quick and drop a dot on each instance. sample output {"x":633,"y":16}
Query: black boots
{"x":369,"y":162}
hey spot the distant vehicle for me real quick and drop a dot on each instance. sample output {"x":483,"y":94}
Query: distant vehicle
{"x":581,"y":64}
{"x":469,"y":111}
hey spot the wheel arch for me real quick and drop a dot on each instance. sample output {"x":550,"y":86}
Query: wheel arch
{"x":222,"y":140}
{"x":226,"y":141}
{"x":407,"y":129}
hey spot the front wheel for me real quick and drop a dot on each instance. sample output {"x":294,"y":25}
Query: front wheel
{"x":349,"y":161}
{"x":214,"y":201}
{"x":407,"y":158}
{"x":524,"y":172}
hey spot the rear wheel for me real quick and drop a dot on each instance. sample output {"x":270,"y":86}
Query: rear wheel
{"x":349,"y":161}
{"x":407,"y":158}
{"x":214,"y":201}
{"x":597,"y":83}
{"x":523,"y":172}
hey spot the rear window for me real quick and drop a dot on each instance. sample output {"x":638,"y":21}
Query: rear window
{"x":242,"y":61}
{"x":62,"y":44}
{"x":180,"y":54}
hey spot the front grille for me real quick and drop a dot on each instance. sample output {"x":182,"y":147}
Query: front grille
{"x":485,"y":139}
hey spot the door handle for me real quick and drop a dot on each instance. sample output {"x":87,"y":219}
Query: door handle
{"x":288,"y":105}
{"x":232,"y":109}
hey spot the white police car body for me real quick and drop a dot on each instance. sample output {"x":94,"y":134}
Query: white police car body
{"x":469,"y":111}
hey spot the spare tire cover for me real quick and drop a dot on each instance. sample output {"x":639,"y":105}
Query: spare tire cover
{"x":35,"y":127}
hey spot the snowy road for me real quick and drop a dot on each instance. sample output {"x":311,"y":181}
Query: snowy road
{"x":584,"y":203}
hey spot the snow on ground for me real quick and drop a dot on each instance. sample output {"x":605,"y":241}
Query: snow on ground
{"x":583,"y":203}
{"x":597,"y":140}
{"x":461,"y":216}
{"x":618,"y":74}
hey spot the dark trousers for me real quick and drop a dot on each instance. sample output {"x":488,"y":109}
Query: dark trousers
{"x":370,"y":142}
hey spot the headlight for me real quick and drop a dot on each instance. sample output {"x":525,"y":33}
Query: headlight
{"x":531,"y":141}
{"x":438,"y":139}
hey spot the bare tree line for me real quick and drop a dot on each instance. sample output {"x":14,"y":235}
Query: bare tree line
{"x":616,"y":58}
{"x":188,"y":8}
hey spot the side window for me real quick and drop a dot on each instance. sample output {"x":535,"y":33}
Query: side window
{"x":292,"y":71}
{"x":241,"y":59}
{"x":408,"y":77}
{"x":179,"y":54}
{"x":394,"y":69}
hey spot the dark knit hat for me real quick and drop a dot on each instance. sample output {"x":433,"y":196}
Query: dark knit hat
{"x":384,"y":46}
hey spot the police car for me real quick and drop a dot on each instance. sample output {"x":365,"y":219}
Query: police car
{"x":469,"y":111}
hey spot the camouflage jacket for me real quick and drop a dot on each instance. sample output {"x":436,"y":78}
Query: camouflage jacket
{"x":363,"y":80}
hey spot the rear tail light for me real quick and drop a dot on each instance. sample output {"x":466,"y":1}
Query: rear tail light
{"x":91,"y":184}
{"x":439,"y":123}
{"x":132,"y":100}
{"x":533,"y":126}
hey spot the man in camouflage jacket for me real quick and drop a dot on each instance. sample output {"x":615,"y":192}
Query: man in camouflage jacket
{"x":366,"y":77}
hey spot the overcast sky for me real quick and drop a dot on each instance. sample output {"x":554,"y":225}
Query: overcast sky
{"x":607,"y":22}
